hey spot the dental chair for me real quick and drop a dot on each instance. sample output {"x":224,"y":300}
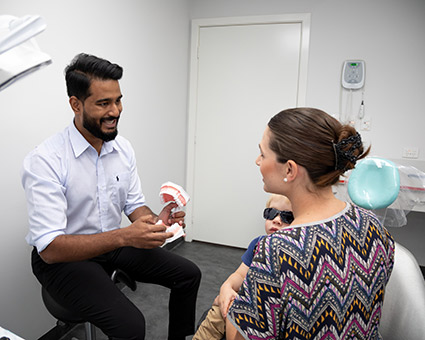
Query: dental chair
{"x":375,"y":184}
{"x":403,"y":315}
{"x":67,"y":316}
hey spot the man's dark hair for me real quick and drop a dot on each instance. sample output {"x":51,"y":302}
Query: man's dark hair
{"x":83,"y":69}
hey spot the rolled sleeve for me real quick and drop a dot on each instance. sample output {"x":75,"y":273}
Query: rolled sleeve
{"x":46,"y":200}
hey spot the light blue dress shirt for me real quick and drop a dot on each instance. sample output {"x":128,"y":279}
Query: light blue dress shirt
{"x":71,"y":189}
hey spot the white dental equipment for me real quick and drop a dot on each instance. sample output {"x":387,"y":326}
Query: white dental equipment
{"x":19,"y":52}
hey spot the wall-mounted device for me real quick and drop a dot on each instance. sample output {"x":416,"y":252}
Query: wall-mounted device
{"x":353,"y":74}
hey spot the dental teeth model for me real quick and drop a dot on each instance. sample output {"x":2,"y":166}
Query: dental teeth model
{"x":171,"y":192}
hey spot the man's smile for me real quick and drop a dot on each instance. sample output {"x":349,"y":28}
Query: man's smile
{"x":110,"y":122}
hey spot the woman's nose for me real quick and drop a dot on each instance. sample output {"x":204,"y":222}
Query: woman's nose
{"x":257,"y":161}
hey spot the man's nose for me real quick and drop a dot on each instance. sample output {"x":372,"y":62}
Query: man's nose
{"x":116,"y":109}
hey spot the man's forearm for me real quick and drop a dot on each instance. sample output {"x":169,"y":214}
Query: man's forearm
{"x":71,"y":248}
{"x":142,"y":233}
{"x":141,"y":211}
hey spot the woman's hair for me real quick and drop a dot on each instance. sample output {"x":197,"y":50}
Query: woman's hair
{"x":316,"y":141}
{"x":83,"y":69}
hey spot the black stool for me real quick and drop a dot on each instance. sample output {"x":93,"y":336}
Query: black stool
{"x":67,"y":316}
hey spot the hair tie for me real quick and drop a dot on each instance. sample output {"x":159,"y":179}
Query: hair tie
{"x":341,"y":155}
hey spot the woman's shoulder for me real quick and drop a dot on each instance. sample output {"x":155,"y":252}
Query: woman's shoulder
{"x":353,"y":224}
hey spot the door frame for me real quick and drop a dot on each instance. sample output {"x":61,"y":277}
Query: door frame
{"x":197,"y":25}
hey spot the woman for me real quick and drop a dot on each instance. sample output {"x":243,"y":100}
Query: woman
{"x":323,"y":277}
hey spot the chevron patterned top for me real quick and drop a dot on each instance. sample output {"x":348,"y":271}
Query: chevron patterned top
{"x":321,"y":281}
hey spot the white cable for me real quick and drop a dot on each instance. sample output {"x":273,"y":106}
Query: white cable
{"x":348,"y":107}
{"x":361,"y":108}
{"x":341,"y":114}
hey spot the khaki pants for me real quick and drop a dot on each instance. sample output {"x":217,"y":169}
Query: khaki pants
{"x":212,"y":328}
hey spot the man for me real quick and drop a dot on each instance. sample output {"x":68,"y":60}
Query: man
{"x":77,"y":185}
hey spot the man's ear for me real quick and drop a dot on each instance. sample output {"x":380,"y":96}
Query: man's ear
{"x":76,"y":105}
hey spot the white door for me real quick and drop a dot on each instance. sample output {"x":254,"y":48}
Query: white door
{"x":243,"y":71}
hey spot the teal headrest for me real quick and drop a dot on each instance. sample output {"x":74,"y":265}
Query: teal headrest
{"x":374,"y":183}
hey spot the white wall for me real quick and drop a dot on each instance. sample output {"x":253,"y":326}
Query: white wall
{"x":150,"y":39}
{"x":387,"y":34}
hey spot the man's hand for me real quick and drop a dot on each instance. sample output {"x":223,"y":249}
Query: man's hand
{"x":144,"y":233}
{"x":168,"y":218}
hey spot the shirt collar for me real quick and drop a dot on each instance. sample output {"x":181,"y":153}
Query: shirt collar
{"x":80,"y":144}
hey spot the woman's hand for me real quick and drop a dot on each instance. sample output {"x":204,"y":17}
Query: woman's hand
{"x":225,"y":299}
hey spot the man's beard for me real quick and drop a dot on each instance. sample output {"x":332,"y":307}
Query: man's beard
{"x":94,"y":128}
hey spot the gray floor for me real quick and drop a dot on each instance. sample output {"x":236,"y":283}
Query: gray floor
{"x":216,"y":263}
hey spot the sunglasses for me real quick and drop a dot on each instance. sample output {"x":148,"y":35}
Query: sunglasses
{"x":285,"y":216}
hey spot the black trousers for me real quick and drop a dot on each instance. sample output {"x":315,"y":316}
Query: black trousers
{"x":86,"y":287}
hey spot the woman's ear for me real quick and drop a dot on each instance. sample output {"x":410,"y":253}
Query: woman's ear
{"x":76,"y":105}
{"x":291,"y":170}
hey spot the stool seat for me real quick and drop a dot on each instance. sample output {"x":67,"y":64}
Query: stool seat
{"x":58,"y":311}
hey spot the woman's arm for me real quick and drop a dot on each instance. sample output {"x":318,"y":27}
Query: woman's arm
{"x":231,"y":332}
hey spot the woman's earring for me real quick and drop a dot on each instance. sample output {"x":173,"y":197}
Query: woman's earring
{"x":285,"y":179}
